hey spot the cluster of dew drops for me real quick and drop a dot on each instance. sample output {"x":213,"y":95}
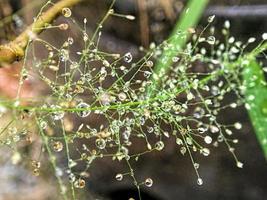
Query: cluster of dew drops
{"x":127,"y":109}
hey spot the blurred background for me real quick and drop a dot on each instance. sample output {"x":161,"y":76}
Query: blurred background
{"x":173,"y":175}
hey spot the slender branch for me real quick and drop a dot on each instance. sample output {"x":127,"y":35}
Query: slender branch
{"x":14,"y":50}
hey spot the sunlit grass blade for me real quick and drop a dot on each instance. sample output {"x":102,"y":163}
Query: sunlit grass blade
{"x":189,"y":19}
{"x":256,"y":101}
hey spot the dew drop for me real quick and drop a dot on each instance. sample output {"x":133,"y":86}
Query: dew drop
{"x":159,"y":145}
{"x":264,"y":36}
{"x":63,"y":26}
{"x":199,"y":112}
{"x":57,"y":146}
{"x":239,"y":164}
{"x":147,"y":74}
{"x":179,"y":141}
{"x":36,"y":172}
{"x":100,"y":143}
{"x":130,"y":17}
{"x":205,"y":151}
{"x":208,"y":139}
{"x":36,"y":164}
{"x":211,"y":40}
{"x":196,"y":165}
{"x":122,"y":96}
{"x":211,"y":18}
{"x":150,"y":129}
{"x":214,"y":129}
{"x":57,"y":115}
{"x":64,"y":55}
{"x":72,"y":178}
{"x":70,"y":40}
{"x":149,"y":63}
{"x":66,"y":12}
{"x":199,"y":181}
{"x":238,"y":125}
{"x":227,"y":24}
{"x":80,"y":183}
{"x":149,"y":146}
{"x":85,"y":36}
{"x":183,"y":150}
{"x":149,"y":182}
{"x":175,"y":59}
{"x":251,"y":40}
{"x":119,"y":177}
{"x":190,"y":96}
{"x":189,"y":141}
{"x":84,"y":112}
{"x":128,"y":57}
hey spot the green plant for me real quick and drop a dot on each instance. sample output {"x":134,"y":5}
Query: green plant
{"x":184,"y":106}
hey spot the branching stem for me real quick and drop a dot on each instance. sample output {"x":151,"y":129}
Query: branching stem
{"x":15,"y":50}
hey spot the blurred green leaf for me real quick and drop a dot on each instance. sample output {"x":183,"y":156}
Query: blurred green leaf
{"x":256,"y":100}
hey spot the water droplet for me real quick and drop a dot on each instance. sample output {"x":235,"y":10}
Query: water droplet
{"x":264,"y":36}
{"x":205,"y":151}
{"x":214,"y":129}
{"x":57,"y":146}
{"x":159,"y":145}
{"x":122,"y":96}
{"x":251,"y":40}
{"x":199,"y":181}
{"x":128,"y":57}
{"x":199,"y":112}
{"x":119,"y":177}
{"x":189,"y":141}
{"x":179,"y":141}
{"x":72,"y":178}
{"x":227,"y":24}
{"x":147,"y":74}
{"x":36,"y":172}
{"x":149,"y":182}
{"x":211,"y":40}
{"x":80,"y":183}
{"x":57,"y":114}
{"x":211,"y":18}
{"x":190,"y":96}
{"x":100,"y":143}
{"x":64,"y":55}
{"x":175,"y":59}
{"x":238,"y":125}
{"x":66,"y":12}
{"x":63,"y":26}
{"x":228,"y":132}
{"x":150,"y":129}
{"x":70,"y":40}
{"x":239,"y":164}
{"x":208,"y":139}
{"x":130,"y":17}
{"x":36,"y":164}
{"x":149,"y":63}
{"x":183,"y":150}
{"x":85,"y":36}
{"x":84,"y":112}
{"x":196,"y":165}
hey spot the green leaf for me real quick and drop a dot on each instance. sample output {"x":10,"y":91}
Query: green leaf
{"x":256,"y":100}
{"x":189,"y":19}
